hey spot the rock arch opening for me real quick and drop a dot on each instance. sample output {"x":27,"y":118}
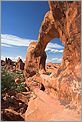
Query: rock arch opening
{"x":54,"y":51}
{"x":66,"y":27}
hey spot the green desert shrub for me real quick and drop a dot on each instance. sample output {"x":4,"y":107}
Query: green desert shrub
{"x":21,"y":88}
{"x":8,"y":81}
{"x":48,"y":73}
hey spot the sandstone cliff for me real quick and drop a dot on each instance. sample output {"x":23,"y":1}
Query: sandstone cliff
{"x":62,"y":21}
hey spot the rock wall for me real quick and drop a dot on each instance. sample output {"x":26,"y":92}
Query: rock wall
{"x":62,"y":21}
{"x":34,"y":63}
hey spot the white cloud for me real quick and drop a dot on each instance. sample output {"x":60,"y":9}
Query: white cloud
{"x":55,"y":48}
{"x":48,"y":60}
{"x":54,"y":60}
{"x":5,"y":45}
{"x":2,"y":58}
{"x":10,"y":40}
{"x":57,"y":59}
{"x":54,"y":45}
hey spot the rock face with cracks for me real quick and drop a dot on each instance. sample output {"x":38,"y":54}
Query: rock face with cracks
{"x":33,"y":62}
{"x":62,"y":21}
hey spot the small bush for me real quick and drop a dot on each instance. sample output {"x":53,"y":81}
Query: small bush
{"x":48,"y":73}
{"x":8,"y":81}
{"x":21,"y":88}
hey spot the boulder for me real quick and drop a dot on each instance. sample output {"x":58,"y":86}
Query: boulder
{"x":35,"y":82}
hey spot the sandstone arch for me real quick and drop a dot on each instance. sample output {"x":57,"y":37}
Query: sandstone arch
{"x":62,"y":21}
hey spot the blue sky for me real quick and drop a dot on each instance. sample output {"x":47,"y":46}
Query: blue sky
{"x":21,"y":22}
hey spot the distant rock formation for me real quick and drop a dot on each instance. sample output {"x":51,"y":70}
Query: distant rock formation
{"x":2,"y":63}
{"x":19,"y":64}
{"x":13,"y":65}
{"x":8,"y":61}
{"x":62,"y":21}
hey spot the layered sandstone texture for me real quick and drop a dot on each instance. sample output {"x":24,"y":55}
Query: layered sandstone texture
{"x":62,"y":21}
{"x":33,"y":63}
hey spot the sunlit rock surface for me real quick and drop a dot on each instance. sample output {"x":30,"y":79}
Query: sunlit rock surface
{"x":62,"y":21}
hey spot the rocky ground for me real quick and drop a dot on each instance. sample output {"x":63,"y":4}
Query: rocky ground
{"x":46,"y":104}
{"x":39,"y":102}
{"x":45,"y":107}
{"x":13,"y":106}
{"x":14,"y":95}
